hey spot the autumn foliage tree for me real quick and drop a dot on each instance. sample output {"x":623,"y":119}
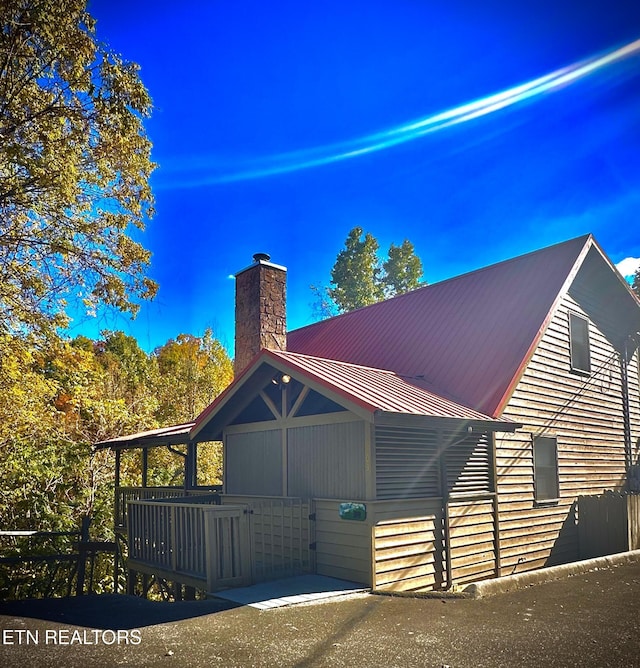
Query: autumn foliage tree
{"x":74,"y":168}
{"x":59,"y":397}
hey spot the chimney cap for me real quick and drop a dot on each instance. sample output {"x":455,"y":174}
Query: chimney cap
{"x":261,"y":259}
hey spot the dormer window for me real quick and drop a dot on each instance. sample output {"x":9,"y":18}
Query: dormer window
{"x":579,"y":338}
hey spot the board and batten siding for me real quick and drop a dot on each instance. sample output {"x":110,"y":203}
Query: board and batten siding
{"x":254,"y":462}
{"x":327,"y":461}
{"x":584,"y":413}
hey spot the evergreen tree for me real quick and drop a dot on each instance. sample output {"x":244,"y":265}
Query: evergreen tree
{"x":359,"y":278}
{"x":402,"y":270}
{"x":355,"y":277}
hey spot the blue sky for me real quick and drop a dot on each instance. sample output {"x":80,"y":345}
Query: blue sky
{"x":266,"y":114}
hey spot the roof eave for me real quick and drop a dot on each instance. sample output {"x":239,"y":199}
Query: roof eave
{"x":477,"y":424}
{"x":174,"y":435}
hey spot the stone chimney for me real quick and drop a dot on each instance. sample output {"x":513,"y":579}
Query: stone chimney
{"x":261,"y":319}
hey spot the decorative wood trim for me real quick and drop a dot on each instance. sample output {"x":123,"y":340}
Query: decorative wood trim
{"x":298,"y":402}
{"x":502,"y":405}
{"x":270,"y":405}
{"x":285,"y":462}
{"x":306,"y":421}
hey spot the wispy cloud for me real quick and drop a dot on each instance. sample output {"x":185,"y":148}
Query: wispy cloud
{"x":210,"y":171}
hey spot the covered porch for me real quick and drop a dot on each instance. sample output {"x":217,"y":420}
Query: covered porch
{"x":329,"y":469}
{"x":144,"y":442}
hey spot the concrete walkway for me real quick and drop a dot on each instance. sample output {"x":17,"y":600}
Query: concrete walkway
{"x":290,"y":591}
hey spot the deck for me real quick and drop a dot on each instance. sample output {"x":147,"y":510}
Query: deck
{"x":199,"y":542}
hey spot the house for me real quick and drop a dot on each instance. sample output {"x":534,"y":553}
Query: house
{"x":436,"y":438}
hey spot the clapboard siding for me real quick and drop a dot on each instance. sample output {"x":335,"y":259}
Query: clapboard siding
{"x":472,"y":548}
{"x":407,"y":545}
{"x":343,"y":547}
{"x":584,"y":413}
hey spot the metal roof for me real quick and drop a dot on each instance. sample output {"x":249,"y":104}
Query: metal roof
{"x":375,"y":389}
{"x":451,"y":350}
{"x":365,"y":390}
{"x":175,"y":435}
{"x":465,"y":338}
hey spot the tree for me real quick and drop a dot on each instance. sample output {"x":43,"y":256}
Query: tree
{"x":402,"y":270}
{"x":193,"y":371}
{"x":74,"y":168}
{"x":635,"y":285}
{"x":355,"y":276}
{"x":358,"y":277}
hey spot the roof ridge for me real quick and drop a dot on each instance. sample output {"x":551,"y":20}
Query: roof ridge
{"x":451,"y":279}
{"x":291,"y":353}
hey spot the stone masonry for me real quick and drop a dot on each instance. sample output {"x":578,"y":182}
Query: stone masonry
{"x":261,"y":320}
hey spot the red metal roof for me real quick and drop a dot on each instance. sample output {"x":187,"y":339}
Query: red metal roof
{"x":374,"y":389}
{"x":465,"y":338}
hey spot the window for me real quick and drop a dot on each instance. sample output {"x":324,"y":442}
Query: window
{"x":545,"y":468}
{"x":579,"y":337}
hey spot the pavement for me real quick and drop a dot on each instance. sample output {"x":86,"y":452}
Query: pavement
{"x":584,"y":618}
{"x":291,"y":591}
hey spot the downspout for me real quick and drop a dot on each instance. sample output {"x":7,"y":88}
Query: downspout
{"x":171,"y":449}
{"x":444,"y":493}
{"x":626,"y":412}
{"x":191,"y":466}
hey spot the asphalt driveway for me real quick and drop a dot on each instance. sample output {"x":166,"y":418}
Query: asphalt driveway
{"x":587,"y":620}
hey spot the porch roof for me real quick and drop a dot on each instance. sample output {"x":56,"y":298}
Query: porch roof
{"x":367,"y":391}
{"x":175,"y":435}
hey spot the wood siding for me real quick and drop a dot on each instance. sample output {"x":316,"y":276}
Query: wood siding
{"x":407,"y":545}
{"x":471,"y":539}
{"x":253,"y":462}
{"x":343,"y":547}
{"x":408,"y":462}
{"x":584,"y":413}
{"x":327,"y":461}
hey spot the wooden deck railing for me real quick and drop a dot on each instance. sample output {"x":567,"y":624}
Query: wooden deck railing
{"x":125,"y":494}
{"x":196,"y":543}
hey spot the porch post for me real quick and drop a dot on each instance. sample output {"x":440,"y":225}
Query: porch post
{"x":117,"y":472}
{"x":191,"y":466}
{"x":145,"y":466}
